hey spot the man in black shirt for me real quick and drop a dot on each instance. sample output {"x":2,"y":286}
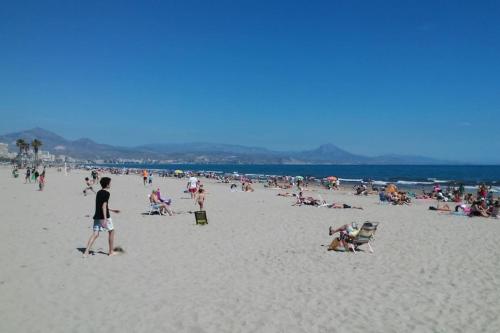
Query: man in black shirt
{"x":102,"y":220}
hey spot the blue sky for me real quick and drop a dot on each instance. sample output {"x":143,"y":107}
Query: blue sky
{"x":373,"y":77}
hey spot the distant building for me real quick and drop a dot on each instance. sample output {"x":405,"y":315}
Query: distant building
{"x":4,"y":150}
{"x":45,"y":156}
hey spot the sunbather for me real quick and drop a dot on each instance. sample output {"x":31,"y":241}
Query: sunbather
{"x":345,"y":231}
{"x":286,"y":194}
{"x":156,"y":203}
{"x":444,"y":208}
{"x":478,"y":209}
{"x":310,"y":201}
{"x":342,"y":206}
{"x":247,"y":187}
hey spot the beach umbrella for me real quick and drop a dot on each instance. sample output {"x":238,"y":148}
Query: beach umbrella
{"x":178,"y":172}
{"x":331,"y":178}
{"x":299,"y":177}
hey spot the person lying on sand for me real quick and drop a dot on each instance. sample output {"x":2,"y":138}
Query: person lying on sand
{"x":342,"y":206}
{"x":309,"y":201}
{"x":345,"y":231}
{"x":286,"y":194}
{"x":443,"y":208}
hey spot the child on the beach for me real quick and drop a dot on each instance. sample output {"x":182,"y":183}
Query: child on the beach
{"x":89,"y":186}
{"x":102,"y":219}
{"x":41,"y":180}
{"x":200,"y":198}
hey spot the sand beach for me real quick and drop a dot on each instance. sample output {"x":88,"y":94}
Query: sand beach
{"x":260,"y":265}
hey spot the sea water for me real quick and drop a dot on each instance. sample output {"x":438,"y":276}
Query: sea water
{"x":406,"y":175}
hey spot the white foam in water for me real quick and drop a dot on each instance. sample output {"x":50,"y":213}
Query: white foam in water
{"x":379,"y":182}
{"x":434,"y":180}
{"x":406,"y":182}
{"x":351,"y":180}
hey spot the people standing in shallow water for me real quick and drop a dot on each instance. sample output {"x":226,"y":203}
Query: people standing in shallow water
{"x":102,"y":218}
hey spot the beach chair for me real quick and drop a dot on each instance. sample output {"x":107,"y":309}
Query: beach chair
{"x":365,"y":236}
{"x":201,"y":217}
{"x":153,"y":208}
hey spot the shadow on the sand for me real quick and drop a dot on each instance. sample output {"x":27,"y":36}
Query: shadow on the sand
{"x":92,"y":253}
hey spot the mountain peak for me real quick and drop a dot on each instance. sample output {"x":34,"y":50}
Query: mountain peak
{"x":328,"y":147}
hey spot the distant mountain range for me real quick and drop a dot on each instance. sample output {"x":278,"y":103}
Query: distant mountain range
{"x":200,"y":152}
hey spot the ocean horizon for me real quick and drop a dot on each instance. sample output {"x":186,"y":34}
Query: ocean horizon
{"x":402,"y":174}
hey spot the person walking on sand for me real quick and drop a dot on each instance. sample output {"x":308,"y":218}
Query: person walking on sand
{"x":192,"y":186}
{"x":144,"y":176}
{"x":88,"y":187}
{"x":102,"y":219}
{"x":200,"y":198}
{"x":150,"y":178}
{"x":28,"y":175}
{"x":41,"y":181}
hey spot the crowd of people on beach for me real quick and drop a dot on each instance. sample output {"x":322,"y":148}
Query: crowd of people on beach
{"x":483,"y":203}
{"x":32,"y":174}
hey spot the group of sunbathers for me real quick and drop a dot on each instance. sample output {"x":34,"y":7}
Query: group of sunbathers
{"x":395,"y":197}
{"x":483,"y":204}
{"x":311,"y":201}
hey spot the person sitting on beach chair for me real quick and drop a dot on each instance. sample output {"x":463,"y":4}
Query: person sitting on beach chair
{"x":351,"y":237}
{"x":162,"y":199}
{"x":340,"y":243}
{"x":156,"y":204}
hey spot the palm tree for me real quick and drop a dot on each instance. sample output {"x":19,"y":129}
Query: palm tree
{"x":36,"y":144}
{"x":20,"y":143}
